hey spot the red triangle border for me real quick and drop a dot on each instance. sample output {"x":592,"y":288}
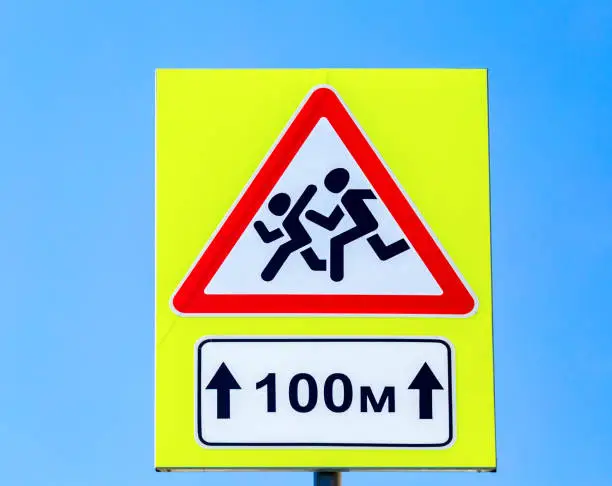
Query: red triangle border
{"x":190,"y":299}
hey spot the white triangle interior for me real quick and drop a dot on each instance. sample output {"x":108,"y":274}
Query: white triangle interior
{"x":364,"y":274}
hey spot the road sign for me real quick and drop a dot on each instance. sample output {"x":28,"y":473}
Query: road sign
{"x":323,"y":276}
{"x":321,"y":217}
{"x":324,"y":392}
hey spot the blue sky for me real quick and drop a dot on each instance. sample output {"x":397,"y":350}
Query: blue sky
{"x":76,"y":252}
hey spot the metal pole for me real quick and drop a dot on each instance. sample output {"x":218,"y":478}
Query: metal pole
{"x":327,"y":478}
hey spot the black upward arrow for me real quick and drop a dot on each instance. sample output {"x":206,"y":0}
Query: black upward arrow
{"x":223,"y":382}
{"x":425,"y":381}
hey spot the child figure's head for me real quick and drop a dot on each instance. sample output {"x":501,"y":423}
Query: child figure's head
{"x":279,"y":204}
{"x":337,"y":180}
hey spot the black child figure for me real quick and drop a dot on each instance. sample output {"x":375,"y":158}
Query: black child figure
{"x":353,"y":202}
{"x":298,"y":236}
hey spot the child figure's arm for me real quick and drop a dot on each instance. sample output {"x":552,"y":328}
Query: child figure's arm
{"x":328,"y":222}
{"x":266,"y":235}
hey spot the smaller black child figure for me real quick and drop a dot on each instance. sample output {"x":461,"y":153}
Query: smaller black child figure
{"x":353,"y":201}
{"x":298,"y":236}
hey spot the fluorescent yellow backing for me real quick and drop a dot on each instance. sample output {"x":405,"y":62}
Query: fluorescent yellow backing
{"x":214,"y":127}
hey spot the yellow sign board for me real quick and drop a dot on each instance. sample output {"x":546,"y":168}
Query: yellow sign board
{"x":323,"y":270}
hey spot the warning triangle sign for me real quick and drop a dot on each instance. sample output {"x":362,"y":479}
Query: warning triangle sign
{"x":323,"y":228}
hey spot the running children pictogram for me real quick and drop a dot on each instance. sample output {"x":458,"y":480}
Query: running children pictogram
{"x":323,"y":228}
{"x":354,"y":203}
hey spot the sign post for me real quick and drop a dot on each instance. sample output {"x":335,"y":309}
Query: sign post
{"x":327,"y":479}
{"x":323,"y":273}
